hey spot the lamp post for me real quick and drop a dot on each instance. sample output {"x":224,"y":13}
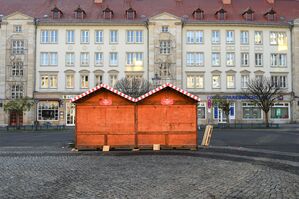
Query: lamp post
{"x":156,"y":80}
{"x":35,"y":115}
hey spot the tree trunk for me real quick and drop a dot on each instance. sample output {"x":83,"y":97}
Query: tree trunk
{"x":227,"y":120}
{"x":267,"y":119}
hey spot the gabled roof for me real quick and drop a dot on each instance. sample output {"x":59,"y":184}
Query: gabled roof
{"x":102,"y":86}
{"x":168,"y":85}
{"x":105,"y":86}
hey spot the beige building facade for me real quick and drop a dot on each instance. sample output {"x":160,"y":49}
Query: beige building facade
{"x":17,"y":64}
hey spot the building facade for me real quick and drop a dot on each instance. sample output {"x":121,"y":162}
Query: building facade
{"x":211,"y":49}
{"x":17,"y":61}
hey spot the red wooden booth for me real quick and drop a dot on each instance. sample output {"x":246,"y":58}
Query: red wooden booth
{"x":104,"y":116}
{"x":166,"y":115}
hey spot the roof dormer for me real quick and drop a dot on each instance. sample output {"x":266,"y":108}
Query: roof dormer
{"x":130,"y":13}
{"x":107,"y":13}
{"x":80,"y":13}
{"x":56,"y":13}
{"x":270,"y":15}
{"x":248,"y":14}
{"x":198,"y":14}
{"x":221,"y":14}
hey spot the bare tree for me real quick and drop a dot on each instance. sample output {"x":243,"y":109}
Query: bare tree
{"x":223,"y":104}
{"x":264,"y":93}
{"x":133,"y":87}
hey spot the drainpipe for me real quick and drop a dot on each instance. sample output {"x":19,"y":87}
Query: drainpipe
{"x":293,"y":99}
{"x":34,"y":72}
{"x":146,"y":24}
{"x":182,"y":54}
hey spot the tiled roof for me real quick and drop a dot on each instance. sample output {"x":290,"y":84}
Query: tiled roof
{"x":166,"y":85}
{"x":286,"y":9}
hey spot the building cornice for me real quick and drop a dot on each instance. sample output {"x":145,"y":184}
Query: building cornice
{"x":90,"y":23}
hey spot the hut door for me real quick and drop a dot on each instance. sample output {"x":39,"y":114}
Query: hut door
{"x":70,"y":114}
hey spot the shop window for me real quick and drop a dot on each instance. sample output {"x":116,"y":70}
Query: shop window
{"x":251,"y":111}
{"x":48,"y":111}
{"x":201,"y":111}
{"x":280,"y":111}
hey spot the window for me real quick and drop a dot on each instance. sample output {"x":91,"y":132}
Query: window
{"x":278,"y":38}
{"x":98,"y":78}
{"x":49,"y":81}
{"x":218,"y":113}
{"x":195,"y":59}
{"x":112,"y":79}
{"x":251,"y":111}
{"x":201,"y":110}
{"x":258,"y":37}
{"x":18,"y":47}
{"x":259,"y":77}
{"x":230,"y":81}
{"x":215,"y":59}
{"x":164,"y":29}
{"x":98,"y":59}
{"x":113,"y":36}
{"x":99,"y":36}
{"x":70,"y":36}
{"x":49,"y":36}
{"x":164,"y":70}
{"x":48,"y":110}
{"x":279,"y":81}
{"x":244,"y":81}
{"x":230,"y":59}
{"x":215,"y":37}
{"x":17,"y":69}
{"x":48,"y":59}
{"x":195,"y":37}
{"x":84,"y":81}
{"x":84,"y":59}
{"x":69,"y":82}
{"x":216,"y":81}
{"x":230,"y":37}
{"x":195,"y":81}
{"x":113,"y":59}
{"x":17,"y":91}
{"x":135,"y":59}
{"x":280,"y":111}
{"x":278,"y":60}
{"x":165,"y":47}
{"x":17,"y":28}
{"x":244,"y":37}
{"x":244,"y":59}
{"x":134,"y":36}
{"x":84,"y":36}
{"x":69,"y":59}
{"x":258,"y":59}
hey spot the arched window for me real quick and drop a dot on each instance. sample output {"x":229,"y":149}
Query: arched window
{"x":107,"y":13}
{"x":248,"y":14}
{"x":80,"y":13}
{"x":130,"y":14}
{"x":56,"y":13}
{"x":270,"y":15}
{"x":221,"y":14}
{"x":198,"y":14}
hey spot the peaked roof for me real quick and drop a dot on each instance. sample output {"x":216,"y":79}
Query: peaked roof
{"x":168,"y":85}
{"x":102,"y":86}
{"x":105,"y":86}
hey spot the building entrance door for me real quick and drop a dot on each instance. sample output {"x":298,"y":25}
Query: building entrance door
{"x":221,"y":116}
{"x":14,"y":117}
{"x":70,"y":114}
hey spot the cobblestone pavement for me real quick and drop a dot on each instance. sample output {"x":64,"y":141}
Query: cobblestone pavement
{"x":58,"y":173}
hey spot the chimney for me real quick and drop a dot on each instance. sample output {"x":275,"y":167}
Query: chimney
{"x":98,"y":1}
{"x":228,"y":2}
{"x":271,"y":1}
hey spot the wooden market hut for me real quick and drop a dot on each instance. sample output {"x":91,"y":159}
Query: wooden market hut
{"x":104,"y":116}
{"x":167,"y":116}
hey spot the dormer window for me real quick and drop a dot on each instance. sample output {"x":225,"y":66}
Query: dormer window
{"x":107,"y":13}
{"x":56,"y":13}
{"x":79,"y":13}
{"x":248,"y":14}
{"x":270,"y":15}
{"x":221,"y":14}
{"x":198,"y":14}
{"x":130,"y":14}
